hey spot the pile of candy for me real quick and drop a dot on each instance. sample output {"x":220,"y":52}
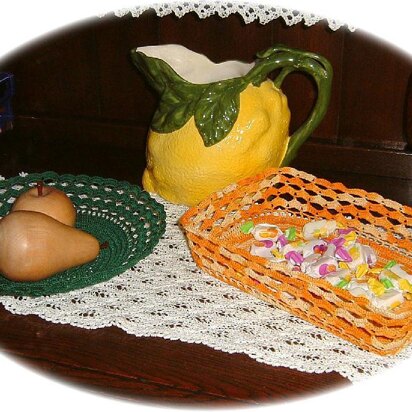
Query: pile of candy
{"x":326,"y":249}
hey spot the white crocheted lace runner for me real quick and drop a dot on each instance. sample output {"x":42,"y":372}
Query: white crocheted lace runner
{"x":263,"y":13}
{"x":167,"y":296}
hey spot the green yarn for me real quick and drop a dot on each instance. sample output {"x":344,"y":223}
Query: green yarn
{"x":116,"y":212}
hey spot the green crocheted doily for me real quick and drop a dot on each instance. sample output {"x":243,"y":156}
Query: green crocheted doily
{"x":116,"y":212}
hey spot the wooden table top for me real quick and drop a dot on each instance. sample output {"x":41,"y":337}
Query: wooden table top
{"x":155,"y":370}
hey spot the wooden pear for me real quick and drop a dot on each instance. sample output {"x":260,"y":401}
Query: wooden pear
{"x":34,"y":246}
{"x":48,"y":200}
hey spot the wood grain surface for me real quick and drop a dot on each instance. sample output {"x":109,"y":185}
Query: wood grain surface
{"x":154,"y":370}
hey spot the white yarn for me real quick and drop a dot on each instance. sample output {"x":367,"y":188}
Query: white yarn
{"x":249,"y":11}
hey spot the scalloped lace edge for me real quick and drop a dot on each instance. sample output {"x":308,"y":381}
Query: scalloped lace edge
{"x":249,"y":11}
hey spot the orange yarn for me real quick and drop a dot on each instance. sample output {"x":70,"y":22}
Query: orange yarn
{"x":288,"y":197}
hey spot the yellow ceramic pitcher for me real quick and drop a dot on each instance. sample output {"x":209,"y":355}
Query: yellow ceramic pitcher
{"x":219,"y":123}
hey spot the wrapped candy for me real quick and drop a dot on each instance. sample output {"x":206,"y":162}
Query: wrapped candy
{"x":319,"y":229}
{"x":325,"y":249}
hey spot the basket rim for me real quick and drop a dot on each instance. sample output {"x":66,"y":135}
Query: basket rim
{"x":243,"y":185}
{"x":52,"y":174}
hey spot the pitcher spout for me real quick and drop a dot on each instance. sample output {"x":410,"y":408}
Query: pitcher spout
{"x":190,"y":66}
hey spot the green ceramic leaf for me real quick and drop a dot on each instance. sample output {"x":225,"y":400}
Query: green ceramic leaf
{"x":177,"y":96}
{"x":156,"y":72}
{"x":215,"y":106}
{"x":176,"y":107}
{"x":217,"y":110}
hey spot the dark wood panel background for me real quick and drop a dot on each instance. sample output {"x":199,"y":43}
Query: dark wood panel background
{"x":82,"y":107}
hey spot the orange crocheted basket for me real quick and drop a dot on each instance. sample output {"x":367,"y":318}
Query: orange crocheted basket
{"x":288,"y":197}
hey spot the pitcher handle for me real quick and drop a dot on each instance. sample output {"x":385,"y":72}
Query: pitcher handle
{"x":289,"y":60}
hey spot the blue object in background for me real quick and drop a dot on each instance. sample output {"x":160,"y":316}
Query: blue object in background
{"x":6,"y":93}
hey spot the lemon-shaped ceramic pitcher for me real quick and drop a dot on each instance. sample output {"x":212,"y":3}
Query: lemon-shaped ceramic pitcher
{"x":219,"y":123}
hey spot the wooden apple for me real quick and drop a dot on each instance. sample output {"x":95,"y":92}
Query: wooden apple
{"x":48,"y":200}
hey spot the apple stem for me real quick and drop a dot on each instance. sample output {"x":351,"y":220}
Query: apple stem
{"x":40,"y":186}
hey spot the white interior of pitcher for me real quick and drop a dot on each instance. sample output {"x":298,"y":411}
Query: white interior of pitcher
{"x":195,"y":67}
